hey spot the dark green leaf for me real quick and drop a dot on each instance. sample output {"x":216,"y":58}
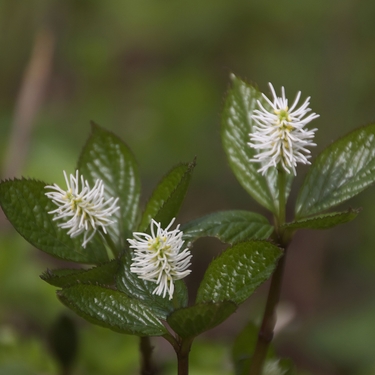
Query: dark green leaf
{"x":192,"y":321}
{"x":243,"y":349}
{"x":324,"y":221}
{"x":340,"y":172}
{"x":111,"y":309}
{"x":167,"y":198}
{"x":130,"y":284}
{"x":229,"y":226}
{"x":238,"y":271}
{"x":26,"y":206}
{"x":107,"y":158}
{"x":103,"y":274}
{"x":236,"y":126}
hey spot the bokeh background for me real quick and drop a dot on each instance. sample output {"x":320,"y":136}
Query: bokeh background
{"x":155,"y":72}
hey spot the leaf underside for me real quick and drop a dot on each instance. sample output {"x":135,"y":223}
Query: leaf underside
{"x":103,"y":274}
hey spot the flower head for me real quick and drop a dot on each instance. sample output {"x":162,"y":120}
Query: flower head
{"x":158,"y":257}
{"x":85,"y":208}
{"x":280,"y":134}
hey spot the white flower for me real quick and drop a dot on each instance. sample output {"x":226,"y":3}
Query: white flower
{"x":158,"y":257}
{"x":84,"y":207}
{"x":280,"y":135}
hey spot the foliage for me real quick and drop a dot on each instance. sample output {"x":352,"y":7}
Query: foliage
{"x":155,"y":73}
{"x":110,"y":295}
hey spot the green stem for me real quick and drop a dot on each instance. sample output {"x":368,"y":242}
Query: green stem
{"x":265,"y":334}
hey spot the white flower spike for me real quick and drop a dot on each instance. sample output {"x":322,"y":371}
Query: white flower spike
{"x":85,"y":208}
{"x":280,"y":134}
{"x":158,"y":257}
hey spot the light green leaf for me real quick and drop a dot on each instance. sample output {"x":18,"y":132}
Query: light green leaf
{"x":167,"y":198}
{"x":278,"y":366}
{"x":192,"y":321}
{"x":324,"y":221}
{"x":340,"y":172}
{"x":111,"y":309}
{"x":103,"y":274}
{"x":229,"y":227}
{"x":108,"y":158}
{"x":26,"y":206}
{"x":237,"y":123}
{"x":130,"y":284}
{"x":238,"y":271}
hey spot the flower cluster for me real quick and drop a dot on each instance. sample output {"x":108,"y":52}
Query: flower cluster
{"x":279,"y":133}
{"x":158,"y":257}
{"x":85,"y":208}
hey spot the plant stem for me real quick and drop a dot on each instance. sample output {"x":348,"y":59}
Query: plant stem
{"x":183,"y":364}
{"x":182,"y":348}
{"x":280,"y":218}
{"x":265,"y":334}
{"x":147,"y":367}
{"x":183,"y":357}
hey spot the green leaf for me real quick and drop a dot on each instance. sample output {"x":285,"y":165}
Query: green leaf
{"x":324,"y":221}
{"x":192,"y":321}
{"x":167,"y":198}
{"x":340,"y":172}
{"x":103,"y":274}
{"x":107,"y":158}
{"x":111,"y":309}
{"x":238,"y":271}
{"x":229,"y":227}
{"x":237,"y":123}
{"x":243,"y":349}
{"x":26,"y":206}
{"x":130,"y":284}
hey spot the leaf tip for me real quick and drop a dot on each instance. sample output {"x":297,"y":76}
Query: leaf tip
{"x":46,"y":275}
{"x":232,"y":76}
{"x":192,"y":164}
{"x":94,"y":125}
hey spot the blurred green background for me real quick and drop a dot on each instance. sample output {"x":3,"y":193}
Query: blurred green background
{"x":155,"y":72}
